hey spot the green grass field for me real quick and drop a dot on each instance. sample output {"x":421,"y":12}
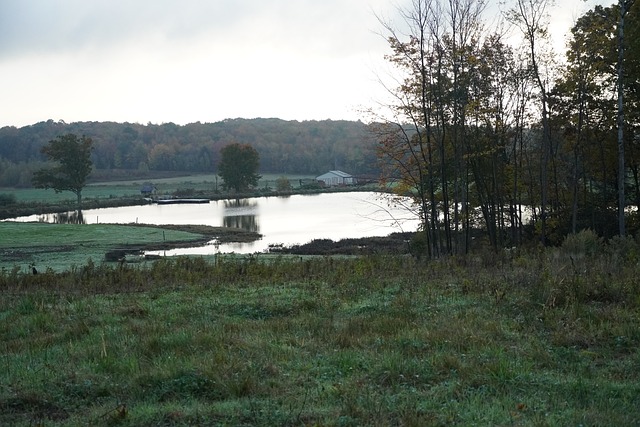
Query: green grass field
{"x":540,"y":338}
{"x":131,"y":188}
{"x":60,"y":247}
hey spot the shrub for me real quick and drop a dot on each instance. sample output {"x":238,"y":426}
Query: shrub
{"x":184,"y":192}
{"x":584,"y":243}
{"x":623,"y":248}
{"x":283,"y":184}
{"x":418,"y":246}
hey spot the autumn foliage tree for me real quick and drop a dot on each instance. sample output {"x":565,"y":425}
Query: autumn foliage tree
{"x":72,"y":158}
{"x":493,"y":138}
{"x":446,"y":132}
{"x":585,"y":99}
{"x":238,"y":167}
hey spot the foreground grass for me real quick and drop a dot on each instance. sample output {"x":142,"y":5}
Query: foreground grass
{"x":545,"y":338}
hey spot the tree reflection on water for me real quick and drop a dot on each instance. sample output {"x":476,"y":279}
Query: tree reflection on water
{"x":73,"y":217}
{"x":241,"y":213}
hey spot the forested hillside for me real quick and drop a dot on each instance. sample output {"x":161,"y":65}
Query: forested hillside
{"x":309,"y":147}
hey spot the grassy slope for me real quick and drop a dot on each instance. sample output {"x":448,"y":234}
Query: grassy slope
{"x":538,"y":339}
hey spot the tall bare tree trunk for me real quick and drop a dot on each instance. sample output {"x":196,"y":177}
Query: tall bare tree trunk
{"x":530,"y":16}
{"x":624,"y":7}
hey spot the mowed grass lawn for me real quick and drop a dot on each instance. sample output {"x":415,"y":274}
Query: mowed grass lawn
{"x":543,"y":338}
{"x":62,"y":246}
{"x":207,"y":183}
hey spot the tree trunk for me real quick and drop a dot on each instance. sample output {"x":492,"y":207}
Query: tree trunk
{"x":621,"y":169}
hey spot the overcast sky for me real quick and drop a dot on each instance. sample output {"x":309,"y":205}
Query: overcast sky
{"x":184,"y":61}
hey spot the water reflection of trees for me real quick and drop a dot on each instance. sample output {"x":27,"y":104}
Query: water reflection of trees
{"x":239,"y":213}
{"x":245,"y":222}
{"x":74,"y":217}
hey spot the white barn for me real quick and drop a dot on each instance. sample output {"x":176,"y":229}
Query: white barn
{"x":333,"y":178}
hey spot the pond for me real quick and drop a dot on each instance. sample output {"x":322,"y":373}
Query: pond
{"x":287,"y":221}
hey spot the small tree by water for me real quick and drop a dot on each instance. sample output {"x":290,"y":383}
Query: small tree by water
{"x":72,"y":165}
{"x":238,"y":167}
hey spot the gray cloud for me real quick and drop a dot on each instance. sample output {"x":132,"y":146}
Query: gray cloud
{"x":52,"y":26}
{"x":186,"y":60}
{"x":38,"y":26}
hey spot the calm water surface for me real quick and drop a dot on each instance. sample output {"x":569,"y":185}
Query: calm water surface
{"x":281,"y":220}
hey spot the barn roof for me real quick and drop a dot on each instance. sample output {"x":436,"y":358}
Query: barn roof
{"x":335,"y":173}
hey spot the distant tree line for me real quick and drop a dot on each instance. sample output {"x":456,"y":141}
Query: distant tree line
{"x":287,"y":147}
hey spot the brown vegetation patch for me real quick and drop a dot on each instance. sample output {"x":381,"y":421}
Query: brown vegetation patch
{"x":222,"y":234}
{"x":396,"y":244}
{"x":24,"y":254}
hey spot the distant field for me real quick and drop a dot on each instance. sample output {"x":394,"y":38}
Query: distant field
{"x":114,"y":189}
